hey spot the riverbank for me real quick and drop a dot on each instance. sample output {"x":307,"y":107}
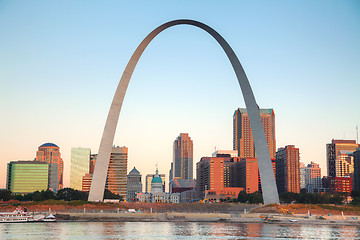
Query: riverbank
{"x":210,"y":217}
{"x":193,"y":212}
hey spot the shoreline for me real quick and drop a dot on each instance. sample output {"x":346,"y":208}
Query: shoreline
{"x":335,"y":220}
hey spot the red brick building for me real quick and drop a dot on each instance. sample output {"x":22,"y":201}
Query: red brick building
{"x":217,"y":178}
{"x":338,"y":184}
{"x":242,"y":134}
{"x":288,"y":169}
{"x":249,"y":176}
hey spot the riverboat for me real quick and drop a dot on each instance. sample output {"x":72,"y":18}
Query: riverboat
{"x":18,"y":215}
{"x":21,"y":216}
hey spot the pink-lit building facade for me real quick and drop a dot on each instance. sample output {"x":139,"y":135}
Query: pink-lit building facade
{"x":50,"y":153}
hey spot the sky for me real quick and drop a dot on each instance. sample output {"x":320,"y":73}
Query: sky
{"x":61,"y":61}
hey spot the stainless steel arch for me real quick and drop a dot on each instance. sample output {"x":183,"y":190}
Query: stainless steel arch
{"x":268,"y":184}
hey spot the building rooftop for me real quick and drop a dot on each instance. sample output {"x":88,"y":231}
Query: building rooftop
{"x":261,"y":110}
{"x":27,"y":162}
{"x":49,"y":145}
{"x":343,"y":141}
{"x":134,"y":171}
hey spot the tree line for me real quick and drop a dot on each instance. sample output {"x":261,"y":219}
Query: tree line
{"x":305,"y":198}
{"x":65,"y":194}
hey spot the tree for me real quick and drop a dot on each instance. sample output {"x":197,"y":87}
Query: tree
{"x":288,"y":197}
{"x":243,"y":197}
{"x":5,"y":195}
{"x":109,"y":195}
{"x":69,"y":194}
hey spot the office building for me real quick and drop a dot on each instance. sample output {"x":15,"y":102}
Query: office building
{"x":86,"y":182}
{"x":310,"y":177}
{"x":242,"y":135}
{"x":356,"y":179}
{"x":220,"y":153}
{"x":304,"y":176}
{"x":338,"y":184}
{"x":216,"y":178}
{"x":288,"y":169}
{"x":117,"y":171}
{"x":249,"y":176}
{"x":183,"y":157}
{"x":134,"y":185}
{"x":27,"y":176}
{"x":50,"y":154}
{"x":335,"y":158}
{"x":80,"y":165}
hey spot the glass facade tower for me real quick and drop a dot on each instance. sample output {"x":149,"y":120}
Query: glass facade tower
{"x":80,"y":165}
{"x":27,"y":176}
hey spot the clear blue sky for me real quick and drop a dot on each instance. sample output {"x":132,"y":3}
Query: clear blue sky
{"x":60,"y":62}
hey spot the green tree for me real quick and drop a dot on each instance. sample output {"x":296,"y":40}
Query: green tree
{"x":69,"y":194}
{"x":5,"y":195}
{"x":243,"y":197}
{"x":110,"y":195}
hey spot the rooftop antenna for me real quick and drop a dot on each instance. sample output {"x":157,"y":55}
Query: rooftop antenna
{"x":357,"y":134}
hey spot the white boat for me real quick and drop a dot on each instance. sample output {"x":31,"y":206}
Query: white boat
{"x":18,"y":215}
{"x":293,"y":220}
{"x":50,"y":218}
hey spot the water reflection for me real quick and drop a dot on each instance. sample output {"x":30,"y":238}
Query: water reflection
{"x":173,"y":230}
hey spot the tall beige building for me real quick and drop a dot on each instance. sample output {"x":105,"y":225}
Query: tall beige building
{"x":243,"y":140}
{"x":117,"y":172}
{"x":80,"y":165}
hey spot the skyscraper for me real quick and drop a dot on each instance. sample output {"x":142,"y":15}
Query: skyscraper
{"x":242,"y":135}
{"x":27,"y":176}
{"x":310,"y":177}
{"x":356,"y":179}
{"x":134,"y":185}
{"x":183,"y":157}
{"x":117,"y":171}
{"x":50,"y":153}
{"x":288,"y":169}
{"x":335,"y":152}
{"x":80,"y":165}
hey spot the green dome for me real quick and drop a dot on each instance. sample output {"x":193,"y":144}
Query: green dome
{"x":156,"y":178}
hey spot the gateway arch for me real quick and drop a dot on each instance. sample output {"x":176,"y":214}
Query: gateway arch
{"x":268,"y":185}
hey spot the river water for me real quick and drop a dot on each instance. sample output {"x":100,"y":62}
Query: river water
{"x":173,"y":230}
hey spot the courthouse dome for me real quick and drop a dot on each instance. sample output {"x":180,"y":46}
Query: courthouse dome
{"x":156,"y":178}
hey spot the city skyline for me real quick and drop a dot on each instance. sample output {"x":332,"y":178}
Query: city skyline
{"x":58,"y":77}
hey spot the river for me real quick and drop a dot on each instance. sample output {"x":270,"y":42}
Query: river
{"x":173,"y":230}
